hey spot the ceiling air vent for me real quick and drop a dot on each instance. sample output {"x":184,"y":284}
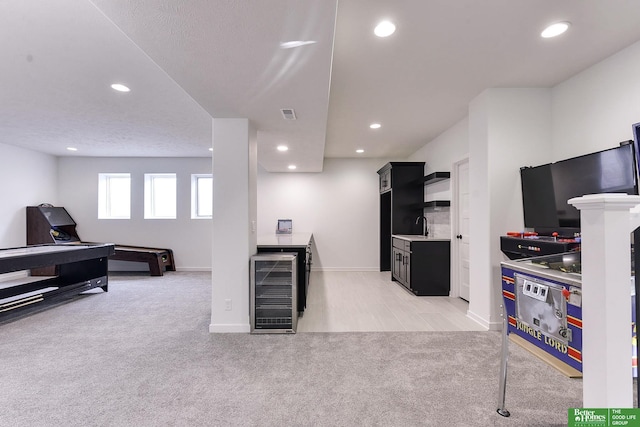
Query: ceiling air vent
{"x":288,"y":113}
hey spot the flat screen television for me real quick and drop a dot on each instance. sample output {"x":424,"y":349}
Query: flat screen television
{"x":538,"y":198}
{"x":635,"y":129}
{"x":547,"y":188}
{"x":57,"y":216}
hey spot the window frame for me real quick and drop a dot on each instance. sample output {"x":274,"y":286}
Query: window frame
{"x":105,"y":195}
{"x":150,"y":195}
{"x":195,"y":193}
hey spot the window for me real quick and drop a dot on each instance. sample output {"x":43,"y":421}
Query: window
{"x":114,"y":196}
{"x":160,"y":196}
{"x":201,"y":196}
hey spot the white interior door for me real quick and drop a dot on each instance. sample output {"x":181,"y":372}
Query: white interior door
{"x":462,"y":233}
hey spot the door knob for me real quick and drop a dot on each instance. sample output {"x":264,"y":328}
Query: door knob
{"x":459,"y":236}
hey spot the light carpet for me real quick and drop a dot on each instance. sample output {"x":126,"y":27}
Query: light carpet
{"x":141,"y":355}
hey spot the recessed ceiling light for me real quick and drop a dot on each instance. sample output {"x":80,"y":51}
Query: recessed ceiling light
{"x":210,"y":148}
{"x":292,"y":167}
{"x":72,"y":149}
{"x":120,"y":87}
{"x":296,"y":43}
{"x":554,"y":30}
{"x":375,"y":125}
{"x":359,"y":150}
{"x":282,"y":148}
{"x":384,"y":29}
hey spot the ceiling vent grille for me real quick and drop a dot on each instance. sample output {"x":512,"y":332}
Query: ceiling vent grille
{"x":288,"y":113}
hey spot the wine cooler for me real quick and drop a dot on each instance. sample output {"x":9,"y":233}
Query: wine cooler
{"x":273,"y":293}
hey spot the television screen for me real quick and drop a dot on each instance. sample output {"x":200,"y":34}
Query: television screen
{"x":608,"y":171}
{"x":547,"y":188}
{"x":57,"y":216}
{"x":635,"y":128}
{"x":538,"y":201}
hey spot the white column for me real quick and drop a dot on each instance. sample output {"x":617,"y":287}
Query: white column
{"x":606,"y":299}
{"x":508,"y":128}
{"x":234,"y":219}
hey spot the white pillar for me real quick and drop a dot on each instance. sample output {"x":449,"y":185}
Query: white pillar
{"x":508,"y":128}
{"x":606,"y":299}
{"x":234,"y":219}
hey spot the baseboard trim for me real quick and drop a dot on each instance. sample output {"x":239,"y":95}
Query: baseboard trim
{"x":219,"y":328}
{"x":185,"y":269}
{"x":492,"y":326}
{"x":345,"y":269}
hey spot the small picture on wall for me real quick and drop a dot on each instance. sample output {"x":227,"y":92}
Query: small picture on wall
{"x":285,"y":226}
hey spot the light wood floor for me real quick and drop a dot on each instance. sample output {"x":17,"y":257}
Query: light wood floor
{"x":370,"y":301}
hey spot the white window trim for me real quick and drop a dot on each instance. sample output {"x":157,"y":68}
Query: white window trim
{"x":194,"y":195}
{"x":104,"y":195}
{"x":149,"y":194}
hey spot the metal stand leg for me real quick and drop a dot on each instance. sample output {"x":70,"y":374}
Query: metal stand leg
{"x":636,"y":262}
{"x":503,"y":364}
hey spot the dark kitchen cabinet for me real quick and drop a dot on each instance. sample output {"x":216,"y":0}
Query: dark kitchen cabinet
{"x":401,"y":197}
{"x":401,"y":261}
{"x":423,"y":267}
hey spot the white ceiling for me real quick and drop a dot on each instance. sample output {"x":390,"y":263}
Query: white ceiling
{"x":188,"y":61}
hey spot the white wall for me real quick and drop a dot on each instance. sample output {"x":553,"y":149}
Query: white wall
{"x":447,"y":148}
{"x":340,"y":206}
{"x":28,"y":179}
{"x":591,"y":111}
{"x":594,"y":110}
{"x":519,"y":135}
{"x":234,"y":239}
{"x":189,"y":238}
{"x":440,"y":154}
{"x":508,"y":128}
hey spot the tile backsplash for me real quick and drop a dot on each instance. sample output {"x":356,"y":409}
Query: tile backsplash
{"x":439,"y":222}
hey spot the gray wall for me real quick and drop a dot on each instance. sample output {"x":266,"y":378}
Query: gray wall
{"x":339,"y":206}
{"x":591,"y":111}
{"x":189,"y":238}
{"x":28,"y":179}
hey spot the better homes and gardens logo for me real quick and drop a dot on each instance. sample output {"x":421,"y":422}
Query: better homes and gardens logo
{"x":603,"y":417}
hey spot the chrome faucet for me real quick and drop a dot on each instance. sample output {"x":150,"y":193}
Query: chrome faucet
{"x":425,"y":224}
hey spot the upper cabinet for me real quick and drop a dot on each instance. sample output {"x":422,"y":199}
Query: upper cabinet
{"x":400,"y":176}
{"x":385,"y":178}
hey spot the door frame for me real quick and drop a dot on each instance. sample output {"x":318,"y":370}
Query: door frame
{"x":455,"y":227}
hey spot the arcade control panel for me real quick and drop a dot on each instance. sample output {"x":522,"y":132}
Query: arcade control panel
{"x":525,"y":245}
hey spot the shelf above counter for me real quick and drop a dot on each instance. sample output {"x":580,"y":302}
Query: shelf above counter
{"x":435,"y":204}
{"x":434,"y":177}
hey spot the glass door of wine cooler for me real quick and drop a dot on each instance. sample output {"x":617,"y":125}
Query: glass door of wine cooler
{"x":274,"y":293}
